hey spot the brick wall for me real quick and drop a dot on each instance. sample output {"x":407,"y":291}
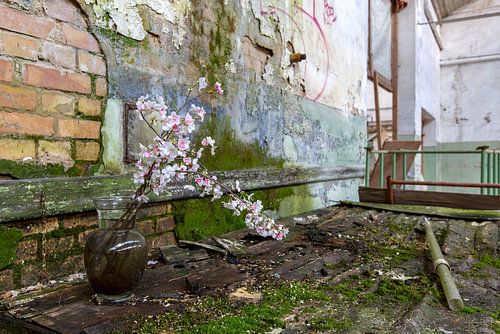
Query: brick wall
{"x":52,"y":86}
{"x":54,"y":248}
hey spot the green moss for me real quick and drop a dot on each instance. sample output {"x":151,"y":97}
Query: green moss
{"x":487,"y":260}
{"x":232,"y":153}
{"x":225,"y":318}
{"x":9,"y":237}
{"x":219,"y":44}
{"x":30,"y":170}
{"x":117,"y":39}
{"x":201,"y":218}
{"x":330,"y":324}
{"x":471,"y":310}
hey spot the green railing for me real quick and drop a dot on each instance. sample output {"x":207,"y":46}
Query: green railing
{"x":489,"y":170}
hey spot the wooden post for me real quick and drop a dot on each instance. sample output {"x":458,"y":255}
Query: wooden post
{"x":394,"y":70}
{"x":377,"y":111}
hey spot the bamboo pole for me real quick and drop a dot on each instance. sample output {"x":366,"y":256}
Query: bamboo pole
{"x":442,"y":268}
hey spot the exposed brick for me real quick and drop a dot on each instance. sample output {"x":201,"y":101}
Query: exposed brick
{"x":19,"y":21}
{"x":65,"y":267}
{"x":52,"y":78}
{"x":80,"y":39}
{"x":101,"y":87}
{"x":90,"y":63}
{"x":17,"y":97}
{"x":62,"y":10}
{"x":38,"y":227}
{"x":58,"y":103}
{"x":55,"y":153}
{"x":59,"y":55}
{"x":56,"y":245}
{"x":26,"y":124}
{"x":26,"y":250}
{"x":165,"y":224}
{"x":146,"y":227}
{"x":32,"y":274}
{"x":7,"y":70}
{"x":152,"y":210}
{"x":19,"y":46}
{"x":162,"y":240}
{"x":84,"y":220}
{"x":76,"y":128}
{"x":6,"y":280}
{"x":89,"y":107}
{"x":13,"y":149}
{"x":88,"y":151}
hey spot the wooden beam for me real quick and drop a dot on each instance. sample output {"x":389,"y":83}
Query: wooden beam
{"x":394,"y":71}
{"x":20,"y":199}
{"x":377,"y":111}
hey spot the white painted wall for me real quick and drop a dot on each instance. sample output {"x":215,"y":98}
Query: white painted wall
{"x":470,"y":82}
{"x":418,"y":72}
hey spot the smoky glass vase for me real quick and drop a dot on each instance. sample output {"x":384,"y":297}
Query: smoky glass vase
{"x":116,"y":253}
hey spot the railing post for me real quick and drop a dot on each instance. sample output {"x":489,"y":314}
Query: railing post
{"x":494,"y":172}
{"x":394,"y":165}
{"x":368,"y":149}
{"x":381,"y":176}
{"x":404,"y":166}
{"x":498,"y":172}
{"x":488,"y":171}
{"x":483,"y":162}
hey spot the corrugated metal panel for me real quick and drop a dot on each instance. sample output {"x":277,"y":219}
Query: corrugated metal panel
{"x":447,"y":7}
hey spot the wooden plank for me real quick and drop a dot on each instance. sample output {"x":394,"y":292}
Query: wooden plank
{"x":431,"y":211}
{"x":394,"y":71}
{"x":394,"y":145}
{"x":377,"y":111}
{"x":20,"y":199}
{"x":445,"y":199}
{"x":431,"y":198}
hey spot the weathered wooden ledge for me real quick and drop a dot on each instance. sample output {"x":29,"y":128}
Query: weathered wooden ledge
{"x":20,"y":199}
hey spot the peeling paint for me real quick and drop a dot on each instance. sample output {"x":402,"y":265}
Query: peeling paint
{"x":124,"y":16}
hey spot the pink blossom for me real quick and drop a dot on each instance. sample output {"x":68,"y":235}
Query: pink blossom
{"x":183,"y":144}
{"x":187,"y":161}
{"x":207,"y":141}
{"x":202,"y":83}
{"x":218,"y":88}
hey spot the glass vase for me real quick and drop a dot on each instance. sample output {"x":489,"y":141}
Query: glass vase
{"x":116,"y":253}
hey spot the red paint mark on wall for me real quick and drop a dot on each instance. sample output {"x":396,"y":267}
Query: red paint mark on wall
{"x":329,"y":17}
{"x":329,"y":14}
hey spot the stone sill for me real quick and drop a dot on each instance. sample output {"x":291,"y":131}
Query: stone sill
{"x":20,"y":199}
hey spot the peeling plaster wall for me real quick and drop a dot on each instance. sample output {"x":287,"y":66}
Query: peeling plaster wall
{"x":308,"y":114}
{"x":470,"y":90}
{"x":470,"y":87}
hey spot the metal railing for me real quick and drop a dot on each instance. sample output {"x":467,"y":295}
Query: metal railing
{"x":489,"y":169}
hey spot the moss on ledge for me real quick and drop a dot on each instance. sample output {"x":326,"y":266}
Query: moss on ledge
{"x":29,"y":170}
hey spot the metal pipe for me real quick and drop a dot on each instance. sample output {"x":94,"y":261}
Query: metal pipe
{"x":367,"y":166}
{"x":381,"y":176}
{"x":394,"y":166}
{"x":488,"y":171}
{"x":442,"y":268}
{"x":483,"y":174}
{"x":404,"y":166}
{"x":498,"y":172}
{"x":425,"y":152}
{"x":469,"y":60}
